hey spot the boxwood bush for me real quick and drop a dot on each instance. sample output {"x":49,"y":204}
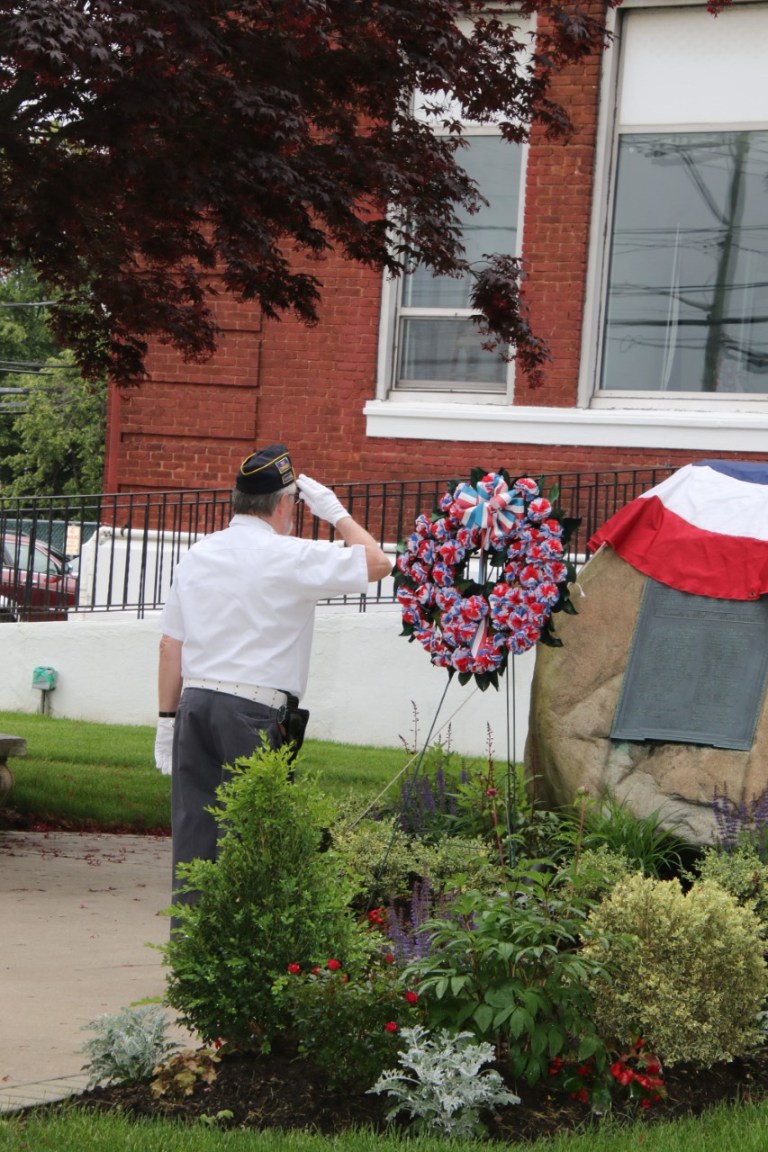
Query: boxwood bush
{"x":685,"y":971}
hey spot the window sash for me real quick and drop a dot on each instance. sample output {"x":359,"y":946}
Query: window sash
{"x":438,"y":346}
{"x":687,"y":296}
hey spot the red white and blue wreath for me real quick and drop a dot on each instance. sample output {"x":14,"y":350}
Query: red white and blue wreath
{"x":469,"y":617}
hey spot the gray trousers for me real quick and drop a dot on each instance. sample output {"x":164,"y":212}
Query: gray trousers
{"x":212,"y":730}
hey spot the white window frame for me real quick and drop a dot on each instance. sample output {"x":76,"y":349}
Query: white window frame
{"x":392,"y":312}
{"x":590,"y":394}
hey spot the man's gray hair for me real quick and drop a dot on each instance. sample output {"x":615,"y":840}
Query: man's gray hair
{"x":261,"y":504}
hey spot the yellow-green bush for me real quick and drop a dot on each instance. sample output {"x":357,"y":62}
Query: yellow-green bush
{"x":684,"y":971}
{"x":742,"y":873}
{"x":598,"y":870}
{"x":468,"y":860}
{"x":382,"y":860}
{"x":376,"y":856}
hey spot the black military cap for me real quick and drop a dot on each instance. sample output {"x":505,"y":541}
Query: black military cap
{"x":268,"y":470}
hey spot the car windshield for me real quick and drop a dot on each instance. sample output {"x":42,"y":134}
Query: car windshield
{"x":16,"y":554}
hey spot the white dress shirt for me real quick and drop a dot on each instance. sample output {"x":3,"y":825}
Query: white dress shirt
{"x":243,"y":603}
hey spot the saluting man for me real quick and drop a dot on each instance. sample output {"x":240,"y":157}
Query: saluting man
{"x":237,"y":634}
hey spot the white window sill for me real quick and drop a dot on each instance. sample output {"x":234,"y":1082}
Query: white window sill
{"x":718,"y":431}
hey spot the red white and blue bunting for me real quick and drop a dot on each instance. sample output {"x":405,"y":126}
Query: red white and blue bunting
{"x":479,"y":580}
{"x":703,"y":530}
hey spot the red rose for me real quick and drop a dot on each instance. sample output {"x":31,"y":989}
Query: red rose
{"x":333,"y":965}
{"x":390,"y":1026}
{"x":389,"y":958}
{"x":411,"y":997}
{"x":294,"y":969}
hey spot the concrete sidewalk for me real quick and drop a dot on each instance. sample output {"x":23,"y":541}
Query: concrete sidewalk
{"x":78,"y":912}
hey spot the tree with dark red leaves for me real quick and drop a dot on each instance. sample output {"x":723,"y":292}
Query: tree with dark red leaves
{"x":145,"y":143}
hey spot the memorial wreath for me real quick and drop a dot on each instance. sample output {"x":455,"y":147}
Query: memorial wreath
{"x":480,"y":578}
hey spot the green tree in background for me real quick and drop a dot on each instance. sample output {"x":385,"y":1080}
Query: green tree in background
{"x":52,"y":422}
{"x":146,"y":143}
{"x":25,"y":339}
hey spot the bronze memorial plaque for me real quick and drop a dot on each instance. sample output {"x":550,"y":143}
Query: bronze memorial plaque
{"x":696,"y":671}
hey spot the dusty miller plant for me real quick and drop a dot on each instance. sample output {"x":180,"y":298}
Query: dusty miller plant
{"x":128,"y":1045}
{"x":441,"y":1085}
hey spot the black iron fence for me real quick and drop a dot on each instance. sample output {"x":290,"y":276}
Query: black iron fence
{"x":108,"y":553}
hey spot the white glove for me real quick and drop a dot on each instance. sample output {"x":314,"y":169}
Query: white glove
{"x":164,"y":745}
{"x":321,"y":501}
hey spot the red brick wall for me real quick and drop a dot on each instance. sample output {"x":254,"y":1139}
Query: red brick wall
{"x":558,"y":202}
{"x":192,"y":424}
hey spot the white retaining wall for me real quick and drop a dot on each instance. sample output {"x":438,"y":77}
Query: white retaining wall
{"x":365,"y":680}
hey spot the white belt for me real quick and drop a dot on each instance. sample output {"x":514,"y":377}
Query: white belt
{"x":269,"y":697}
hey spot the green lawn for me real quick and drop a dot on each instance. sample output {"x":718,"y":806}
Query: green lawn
{"x":102,"y":776}
{"x":739,"y":1129}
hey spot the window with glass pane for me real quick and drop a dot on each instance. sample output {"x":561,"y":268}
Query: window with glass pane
{"x":438,"y":345}
{"x":687,"y":307}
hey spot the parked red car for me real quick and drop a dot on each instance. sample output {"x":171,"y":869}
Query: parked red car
{"x":36,"y":581}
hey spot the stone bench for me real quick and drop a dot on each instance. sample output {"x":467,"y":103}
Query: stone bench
{"x":9,"y":746}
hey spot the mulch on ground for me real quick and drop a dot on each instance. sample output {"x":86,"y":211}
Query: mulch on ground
{"x":281,"y":1091}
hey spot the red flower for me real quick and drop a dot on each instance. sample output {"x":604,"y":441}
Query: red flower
{"x":390,"y":1026}
{"x":333,"y":965}
{"x":294,"y":969}
{"x":411,"y":997}
{"x":316,"y":970}
{"x":389,"y":958}
{"x":622,"y":1073}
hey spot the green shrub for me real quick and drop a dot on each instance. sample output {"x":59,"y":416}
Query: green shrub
{"x":742,"y":873}
{"x":349,"y":1024}
{"x":647,"y":842}
{"x":382,"y":862}
{"x":376,"y":857}
{"x":510,"y":968}
{"x":494,"y":803}
{"x":271,"y":898}
{"x":596,"y":871}
{"x":459,"y":862}
{"x":684,"y":971}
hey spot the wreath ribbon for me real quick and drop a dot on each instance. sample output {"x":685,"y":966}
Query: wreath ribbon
{"x":490,"y":506}
{"x":479,"y":637}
